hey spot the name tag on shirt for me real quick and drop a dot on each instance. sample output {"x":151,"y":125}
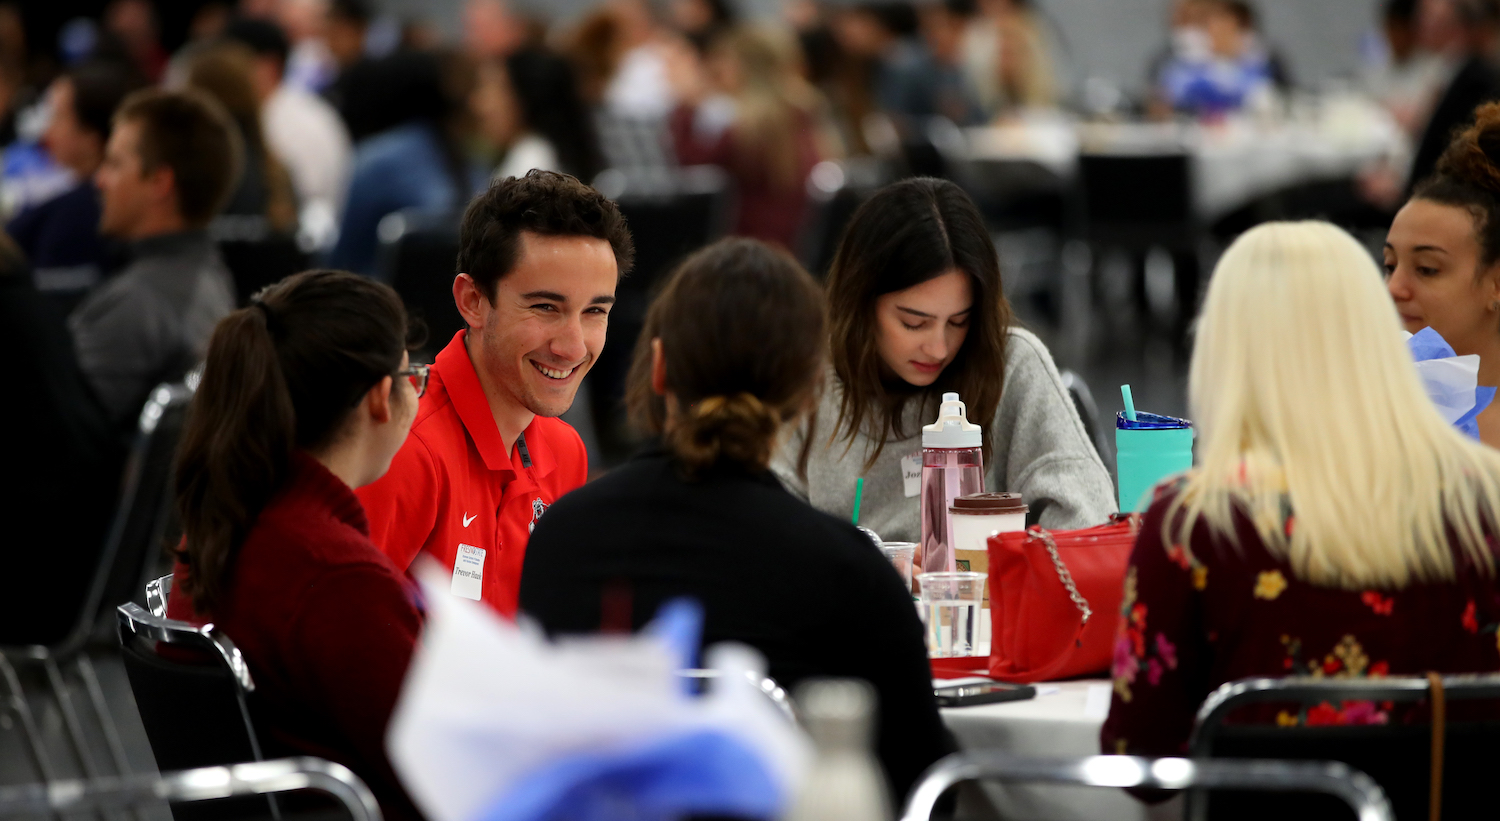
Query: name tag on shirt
{"x":911,"y":474}
{"x":468,"y":572}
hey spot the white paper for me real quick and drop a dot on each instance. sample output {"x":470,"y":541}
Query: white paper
{"x":487,"y":702}
{"x":1450,"y":382}
{"x":468,"y":572}
{"x":911,"y":475}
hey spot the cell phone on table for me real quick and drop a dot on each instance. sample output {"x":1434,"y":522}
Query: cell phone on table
{"x":967,"y":695}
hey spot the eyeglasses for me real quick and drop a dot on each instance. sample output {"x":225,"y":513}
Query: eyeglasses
{"x":418,"y":376}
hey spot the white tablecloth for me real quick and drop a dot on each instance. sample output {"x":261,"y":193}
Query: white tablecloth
{"x":1062,"y":721}
{"x":1234,"y":162}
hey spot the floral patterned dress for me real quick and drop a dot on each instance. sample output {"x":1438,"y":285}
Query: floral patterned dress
{"x":1197,"y":615}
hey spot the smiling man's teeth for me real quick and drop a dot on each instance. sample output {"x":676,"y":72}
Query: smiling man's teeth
{"x":554,"y":374}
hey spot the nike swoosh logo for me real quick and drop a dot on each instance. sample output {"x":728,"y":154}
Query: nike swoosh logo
{"x":468,"y":519}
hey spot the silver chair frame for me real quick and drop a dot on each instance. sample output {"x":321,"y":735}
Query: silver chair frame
{"x":133,"y":791}
{"x":1236,"y":694}
{"x":1351,"y":786}
{"x":765,"y":685}
{"x":157,"y":593}
{"x":1306,"y":690}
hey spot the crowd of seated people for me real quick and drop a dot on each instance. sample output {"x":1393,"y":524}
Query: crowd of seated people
{"x":1331,"y":513}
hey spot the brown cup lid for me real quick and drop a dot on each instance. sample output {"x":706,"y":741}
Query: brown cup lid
{"x":988,"y":504}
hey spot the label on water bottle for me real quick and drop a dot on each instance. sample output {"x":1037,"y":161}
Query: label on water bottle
{"x":911,"y":474}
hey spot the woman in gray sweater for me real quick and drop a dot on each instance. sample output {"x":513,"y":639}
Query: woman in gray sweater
{"x":916,"y":309}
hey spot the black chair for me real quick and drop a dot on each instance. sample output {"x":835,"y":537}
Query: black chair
{"x":835,"y":190}
{"x":144,"y":523}
{"x":1397,"y":756}
{"x":256,"y":263}
{"x":1088,"y":412}
{"x":671,"y":213}
{"x":418,"y":256}
{"x":1348,"y":787}
{"x":1136,"y":202}
{"x":190,"y":789}
{"x":192,"y":689}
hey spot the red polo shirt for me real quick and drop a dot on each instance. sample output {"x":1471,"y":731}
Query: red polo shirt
{"x":454,"y":492}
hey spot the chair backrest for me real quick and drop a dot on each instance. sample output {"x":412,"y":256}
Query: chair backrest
{"x":146,"y":522}
{"x":1088,"y":411}
{"x":1396,"y":755}
{"x":104,"y":796}
{"x":1350,"y":787}
{"x":419,"y":256}
{"x":191,"y":686}
{"x":145,"y":518}
{"x":256,"y":263}
{"x":671,"y":213}
{"x":1142,"y":199}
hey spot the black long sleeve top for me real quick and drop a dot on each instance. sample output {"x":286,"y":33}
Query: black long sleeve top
{"x":808,"y":591}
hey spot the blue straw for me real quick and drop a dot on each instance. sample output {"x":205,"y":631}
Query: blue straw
{"x":1129,"y":403}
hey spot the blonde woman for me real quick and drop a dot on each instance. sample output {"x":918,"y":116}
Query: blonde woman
{"x":1334,"y":524}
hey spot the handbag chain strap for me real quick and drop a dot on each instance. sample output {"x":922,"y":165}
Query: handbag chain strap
{"x":1063,"y":574}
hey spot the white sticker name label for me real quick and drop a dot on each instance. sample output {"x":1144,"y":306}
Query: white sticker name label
{"x":911,"y":474}
{"x":468,"y":572}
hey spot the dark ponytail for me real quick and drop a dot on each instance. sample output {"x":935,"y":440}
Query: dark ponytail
{"x":281,"y":375}
{"x":1468,"y":177}
{"x":741,"y":330}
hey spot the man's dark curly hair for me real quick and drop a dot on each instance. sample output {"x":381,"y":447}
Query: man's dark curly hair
{"x":542,"y":202}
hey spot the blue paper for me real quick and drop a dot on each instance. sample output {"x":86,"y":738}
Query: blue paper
{"x":699,"y":773}
{"x":679,"y":623}
{"x":1426,"y":345}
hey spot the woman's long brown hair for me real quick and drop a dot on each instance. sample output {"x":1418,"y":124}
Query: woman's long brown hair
{"x":906,"y":234}
{"x":281,"y":375}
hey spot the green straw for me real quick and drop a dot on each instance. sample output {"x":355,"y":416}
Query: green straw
{"x":1129,"y":403}
{"x":859,"y":492}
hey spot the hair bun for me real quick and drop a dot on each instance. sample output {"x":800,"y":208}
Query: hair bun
{"x":739,"y":429}
{"x":1474,"y":155}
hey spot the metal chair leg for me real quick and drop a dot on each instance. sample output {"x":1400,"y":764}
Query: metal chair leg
{"x":22,"y":708}
{"x":70,"y":718}
{"x":106,"y":717}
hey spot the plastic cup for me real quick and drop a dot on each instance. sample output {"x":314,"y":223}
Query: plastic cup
{"x":950,"y":610}
{"x":900,"y":556}
{"x":1147,"y":451}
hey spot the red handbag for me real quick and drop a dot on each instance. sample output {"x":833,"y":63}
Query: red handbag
{"x":1054,"y":602}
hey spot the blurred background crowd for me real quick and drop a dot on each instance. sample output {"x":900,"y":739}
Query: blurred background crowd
{"x":1114,"y":147}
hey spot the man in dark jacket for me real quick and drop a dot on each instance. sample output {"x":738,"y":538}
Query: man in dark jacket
{"x":167,"y":170}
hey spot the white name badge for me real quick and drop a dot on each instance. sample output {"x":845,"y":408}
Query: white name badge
{"x":468,"y":572}
{"x":911,"y":474}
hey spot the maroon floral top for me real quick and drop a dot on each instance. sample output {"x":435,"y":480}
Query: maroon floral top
{"x":1198,"y":615}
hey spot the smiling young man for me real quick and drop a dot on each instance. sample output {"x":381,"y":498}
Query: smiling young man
{"x":538,"y":261}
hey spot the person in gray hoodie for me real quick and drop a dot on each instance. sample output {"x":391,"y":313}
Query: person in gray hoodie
{"x":916,"y":309}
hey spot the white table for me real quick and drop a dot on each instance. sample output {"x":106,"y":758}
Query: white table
{"x":1234,"y":161}
{"x":1063,"y":721}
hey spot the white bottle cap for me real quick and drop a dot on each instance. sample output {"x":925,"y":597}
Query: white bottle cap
{"x":952,"y":428}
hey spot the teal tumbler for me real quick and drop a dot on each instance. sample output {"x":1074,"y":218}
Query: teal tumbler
{"x":1147,"y":451}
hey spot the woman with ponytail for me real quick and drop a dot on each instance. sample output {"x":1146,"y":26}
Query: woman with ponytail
{"x":1442,"y":254}
{"x":306,"y":395}
{"x":731,"y":354}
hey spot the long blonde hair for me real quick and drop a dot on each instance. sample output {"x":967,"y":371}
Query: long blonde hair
{"x":1303,"y":393}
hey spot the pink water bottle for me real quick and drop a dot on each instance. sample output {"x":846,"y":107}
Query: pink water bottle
{"x":952,"y":466}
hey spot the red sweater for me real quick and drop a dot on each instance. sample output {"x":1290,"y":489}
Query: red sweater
{"x":327,"y":625}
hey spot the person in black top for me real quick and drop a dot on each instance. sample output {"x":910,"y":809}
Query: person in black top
{"x":732,"y":351}
{"x":1477,"y":23}
{"x":65,"y":459}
